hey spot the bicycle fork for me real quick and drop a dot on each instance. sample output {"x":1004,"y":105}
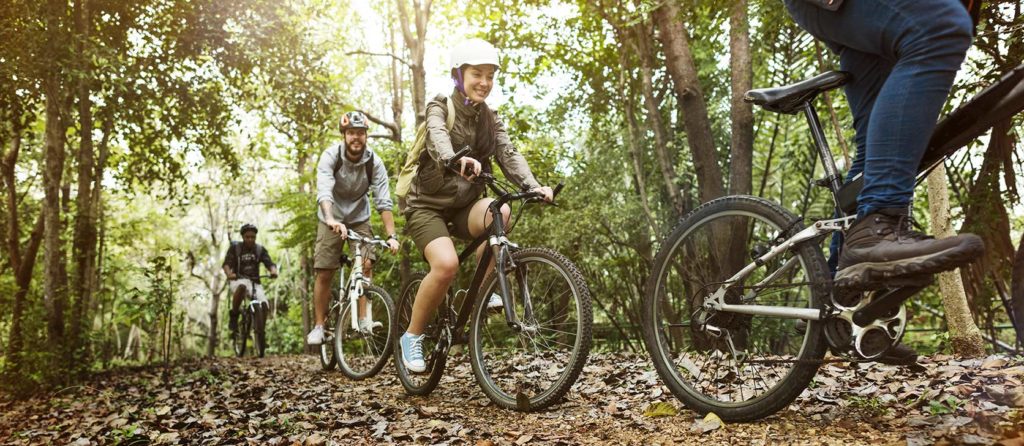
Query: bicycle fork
{"x":500,"y":247}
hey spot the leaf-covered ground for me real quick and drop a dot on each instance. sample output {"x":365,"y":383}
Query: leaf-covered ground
{"x":288,"y":400}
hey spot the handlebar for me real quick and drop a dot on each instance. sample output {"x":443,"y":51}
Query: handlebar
{"x":352,"y":235}
{"x":505,"y":196}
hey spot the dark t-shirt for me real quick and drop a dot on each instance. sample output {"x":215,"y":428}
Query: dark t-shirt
{"x":245,"y":261}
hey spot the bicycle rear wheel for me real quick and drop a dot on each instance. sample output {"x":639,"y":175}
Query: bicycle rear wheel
{"x":436,"y":341}
{"x":741,"y":367}
{"x":362,"y":354}
{"x":328,"y":358}
{"x":532,"y":368}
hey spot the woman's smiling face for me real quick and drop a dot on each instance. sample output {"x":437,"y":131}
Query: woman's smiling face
{"x":478,"y":81}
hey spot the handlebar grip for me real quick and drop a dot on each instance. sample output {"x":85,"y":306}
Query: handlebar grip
{"x":461,"y":153}
{"x":558,"y":189}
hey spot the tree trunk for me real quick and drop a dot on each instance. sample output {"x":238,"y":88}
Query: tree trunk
{"x":54,"y":278}
{"x":686,"y":84}
{"x":632,"y":141}
{"x":964,"y":335}
{"x":84,"y":245}
{"x":1017,"y":293}
{"x":416,"y":44}
{"x":742,"y":150}
{"x":666,"y":162}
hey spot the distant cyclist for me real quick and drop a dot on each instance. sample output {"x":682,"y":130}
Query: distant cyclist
{"x":345,"y":177}
{"x":242,"y":266}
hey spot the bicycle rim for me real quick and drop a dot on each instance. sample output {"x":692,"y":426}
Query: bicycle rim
{"x":362,"y":353}
{"x":533,"y":368}
{"x":751,"y":366}
{"x":435,"y":343}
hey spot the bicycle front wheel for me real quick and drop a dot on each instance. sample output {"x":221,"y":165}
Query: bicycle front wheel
{"x":259,"y":344}
{"x":436,"y":340}
{"x":363,"y":351}
{"x":533,"y":367}
{"x":741,"y":367}
{"x":242,"y":335}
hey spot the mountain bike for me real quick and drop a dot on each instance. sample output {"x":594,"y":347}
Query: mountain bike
{"x":359,"y":351}
{"x":252,"y":325}
{"x":526,"y":356}
{"x":739,"y":309}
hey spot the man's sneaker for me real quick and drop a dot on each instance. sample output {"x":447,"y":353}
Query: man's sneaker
{"x":367,"y":325}
{"x":881,"y":250}
{"x":412,"y":352}
{"x":495,"y":302}
{"x":316,"y":336}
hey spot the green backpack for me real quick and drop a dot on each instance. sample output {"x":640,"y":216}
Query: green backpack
{"x":412,"y":159}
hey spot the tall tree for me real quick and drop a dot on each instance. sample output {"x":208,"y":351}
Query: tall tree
{"x":681,"y":68}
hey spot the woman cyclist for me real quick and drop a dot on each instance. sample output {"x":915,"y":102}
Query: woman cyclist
{"x":439,"y":197}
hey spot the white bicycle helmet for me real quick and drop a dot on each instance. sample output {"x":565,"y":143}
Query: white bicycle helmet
{"x":474,"y":52}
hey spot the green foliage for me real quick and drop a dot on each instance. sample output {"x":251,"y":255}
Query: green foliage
{"x":949,"y":404}
{"x":873,"y":406}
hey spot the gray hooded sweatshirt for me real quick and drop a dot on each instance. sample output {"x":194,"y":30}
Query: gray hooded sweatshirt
{"x":345,"y":188}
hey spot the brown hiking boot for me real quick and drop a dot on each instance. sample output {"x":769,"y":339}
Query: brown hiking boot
{"x":882,"y":251}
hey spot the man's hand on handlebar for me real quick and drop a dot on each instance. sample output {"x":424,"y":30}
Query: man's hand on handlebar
{"x":232,"y":275}
{"x":547,"y":193}
{"x":337,"y":227}
{"x":393,"y":245}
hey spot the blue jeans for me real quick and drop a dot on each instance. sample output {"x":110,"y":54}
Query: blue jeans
{"x":903,"y":55}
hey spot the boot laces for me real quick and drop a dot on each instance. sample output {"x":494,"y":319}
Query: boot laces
{"x":905,"y":228}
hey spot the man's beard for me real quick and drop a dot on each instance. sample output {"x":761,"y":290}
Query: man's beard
{"x":353,"y":154}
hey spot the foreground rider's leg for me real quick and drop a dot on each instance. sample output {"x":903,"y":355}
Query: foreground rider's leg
{"x":321,"y":299}
{"x":444,"y":264}
{"x":479,"y":220}
{"x":926,"y":41}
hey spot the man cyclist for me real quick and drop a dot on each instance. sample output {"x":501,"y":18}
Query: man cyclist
{"x":242,"y":266}
{"x":903,"y":56}
{"x":345,"y":176}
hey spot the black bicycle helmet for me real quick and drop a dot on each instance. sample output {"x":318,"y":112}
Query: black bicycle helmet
{"x":248,"y":227}
{"x":353,"y":120}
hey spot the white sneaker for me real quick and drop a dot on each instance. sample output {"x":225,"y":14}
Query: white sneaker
{"x":367,"y":325}
{"x":316,"y":336}
{"x":494,"y":302}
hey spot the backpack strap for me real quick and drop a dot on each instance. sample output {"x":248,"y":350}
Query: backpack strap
{"x":369,"y":175}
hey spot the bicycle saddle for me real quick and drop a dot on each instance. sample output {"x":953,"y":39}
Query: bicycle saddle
{"x":789,"y":99}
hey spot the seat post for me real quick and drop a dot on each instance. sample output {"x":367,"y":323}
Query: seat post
{"x":833,"y":179}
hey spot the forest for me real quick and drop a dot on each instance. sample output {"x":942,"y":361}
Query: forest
{"x":138,"y":136}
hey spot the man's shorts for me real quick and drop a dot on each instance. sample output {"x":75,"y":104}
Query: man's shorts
{"x":329,"y":245}
{"x":425,"y":225}
{"x":248,"y":285}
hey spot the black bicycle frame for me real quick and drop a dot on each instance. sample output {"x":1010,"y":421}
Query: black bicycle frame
{"x":496,"y":237}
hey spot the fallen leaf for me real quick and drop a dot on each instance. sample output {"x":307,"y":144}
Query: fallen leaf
{"x":660,"y":409}
{"x":709,"y":423}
